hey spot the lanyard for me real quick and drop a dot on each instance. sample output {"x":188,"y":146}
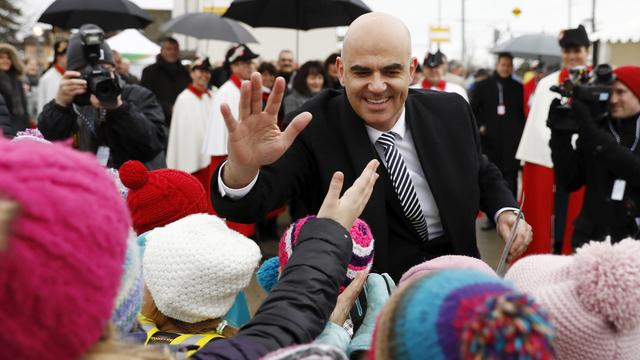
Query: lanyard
{"x":617,"y":136}
{"x":500,"y":95}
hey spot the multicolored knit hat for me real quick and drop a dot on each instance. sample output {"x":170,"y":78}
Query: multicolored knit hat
{"x":361,"y":258}
{"x":461,"y":314}
{"x":61,"y":270}
{"x":160,"y":197}
{"x":593,"y":298}
{"x":443,"y":263}
{"x":129,"y":299}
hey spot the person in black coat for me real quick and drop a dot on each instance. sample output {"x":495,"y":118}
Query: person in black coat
{"x":497,"y":103}
{"x":5,"y":117}
{"x":166,"y":78}
{"x":131,"y":129}
{"x":11,"y":89}
{"x":439,"y":139}
{"x":606,"y":160}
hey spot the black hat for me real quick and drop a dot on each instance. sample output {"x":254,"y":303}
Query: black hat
{"x":60,"y":47}
{"x":572,"y":38}
{"x":201,"y":64}
{"x":76,"y":59}
{"x":433,"y":60}
{"x":239,"y":53}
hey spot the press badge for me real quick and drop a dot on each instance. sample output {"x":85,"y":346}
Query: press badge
{"x":103,"y":155}
{"x":502,"y":110}
{"x":618,"y":190}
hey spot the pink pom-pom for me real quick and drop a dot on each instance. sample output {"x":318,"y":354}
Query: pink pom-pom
{"x":133,"y":174}
{"x":608,"y":281}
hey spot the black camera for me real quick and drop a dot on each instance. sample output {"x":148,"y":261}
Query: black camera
{"x":592,"y":88}
{"x":101,"y":82}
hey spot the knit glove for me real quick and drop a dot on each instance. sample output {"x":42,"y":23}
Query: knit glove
{"x":592,"y":139}
{"x":378,"y":288}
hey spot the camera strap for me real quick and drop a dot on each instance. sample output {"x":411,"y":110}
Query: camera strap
{"x":617,"y":136}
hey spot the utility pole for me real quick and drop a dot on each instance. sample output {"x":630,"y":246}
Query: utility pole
{"x":569,"y":14}
{"x":464,"y":50}
{"x":596,"y":44}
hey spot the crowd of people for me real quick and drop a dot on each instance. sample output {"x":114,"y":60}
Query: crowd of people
{"x":130,"y":210}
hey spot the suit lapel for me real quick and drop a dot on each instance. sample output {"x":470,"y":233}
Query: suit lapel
{"x":423,"y":125}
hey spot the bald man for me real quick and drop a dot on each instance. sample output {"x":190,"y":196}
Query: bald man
{"x":434,"y":178}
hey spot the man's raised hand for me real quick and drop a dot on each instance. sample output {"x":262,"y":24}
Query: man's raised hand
{"x":254,"y":138}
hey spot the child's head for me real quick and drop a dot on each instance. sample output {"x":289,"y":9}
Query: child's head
{"x":195,"y":267}
{"x":461,"y":313}
{"x":593,"y":298}
{"x":62,"y":266}
{"x":157,"y":198}
{"x":361,"y":257}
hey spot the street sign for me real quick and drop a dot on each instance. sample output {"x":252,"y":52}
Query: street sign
{"x":439,"y":34}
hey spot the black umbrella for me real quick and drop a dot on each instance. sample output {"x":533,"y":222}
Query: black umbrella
{"x":209,"y":26}
{"x":296,"y":14}
{"x":532,"y":46}
{"x":110,"y":15}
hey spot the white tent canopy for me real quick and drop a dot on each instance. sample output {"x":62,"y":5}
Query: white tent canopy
{"x":619,"y":33}
{"x":132,"y":44}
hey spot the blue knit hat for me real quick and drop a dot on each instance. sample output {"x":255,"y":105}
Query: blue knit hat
{"x":461,"y":314}
{"x":268,"y":273}
{"x":129,"y":299}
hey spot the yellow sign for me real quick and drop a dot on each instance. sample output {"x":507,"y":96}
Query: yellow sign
{"x":516,"y":12}
{"x":439,"y":34}
{"x":215,"y":9}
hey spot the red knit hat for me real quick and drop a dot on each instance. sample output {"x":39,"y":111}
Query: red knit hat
{"x":630,"y":76}
{"x":160,"y":197}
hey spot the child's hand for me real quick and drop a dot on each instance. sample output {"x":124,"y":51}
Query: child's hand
{"x":346,"y":209}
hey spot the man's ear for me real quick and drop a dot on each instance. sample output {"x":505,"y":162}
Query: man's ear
{"x":340,"y":68}
{"x":413,"y":65}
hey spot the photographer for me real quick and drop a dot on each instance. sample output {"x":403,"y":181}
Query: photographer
{"x":606,"y":160}
{"x":103,"y":115}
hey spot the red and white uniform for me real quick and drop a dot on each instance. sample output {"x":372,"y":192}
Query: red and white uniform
{"x":443,"y":86}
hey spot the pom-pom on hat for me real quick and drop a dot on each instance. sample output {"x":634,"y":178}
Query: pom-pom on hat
{"x":30,"y":135}
{"x":461,"y":313}
{"x":157,"y":198}
{"x":630,"y":77}
{"x":446,"y":262}
{"x":195,"y":267}
{"x":593,"y":298}
{"x":361,"y":258}
{"x":64,"y":259}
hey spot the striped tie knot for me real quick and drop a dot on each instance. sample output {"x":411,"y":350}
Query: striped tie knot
{"x":387,"y":140}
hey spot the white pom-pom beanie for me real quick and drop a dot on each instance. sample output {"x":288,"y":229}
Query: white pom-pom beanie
{"x":593,"y":298}
{"x":195,"y":267}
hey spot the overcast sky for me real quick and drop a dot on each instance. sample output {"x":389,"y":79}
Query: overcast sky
{"x":482,"y":18}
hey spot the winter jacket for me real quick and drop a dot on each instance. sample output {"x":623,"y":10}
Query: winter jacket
{"x":166,"y":81}
{"x":134,"y":131}
{"x":297,"y":309}
{"x":15,"y":101}
{"x":5,"y":118}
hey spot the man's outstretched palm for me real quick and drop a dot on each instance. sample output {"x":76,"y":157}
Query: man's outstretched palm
{"x":255,"y":139}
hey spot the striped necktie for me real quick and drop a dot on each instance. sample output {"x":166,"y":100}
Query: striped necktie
{"x":403,"y":184}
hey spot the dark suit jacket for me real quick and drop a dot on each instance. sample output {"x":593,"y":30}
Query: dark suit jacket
{"x":447,"y":144}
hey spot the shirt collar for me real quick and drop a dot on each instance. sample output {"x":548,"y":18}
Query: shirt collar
{"x":399,"y":129}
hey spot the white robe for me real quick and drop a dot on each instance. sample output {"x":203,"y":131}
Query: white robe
{"x":448,"y":87}
{"x":48,"y":87}
{"x":216,"y":136}
{"x":186,"y":136}
{"x":534,"y":144}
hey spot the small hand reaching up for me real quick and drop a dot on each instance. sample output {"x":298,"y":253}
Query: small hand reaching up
{"x":346,"y":209}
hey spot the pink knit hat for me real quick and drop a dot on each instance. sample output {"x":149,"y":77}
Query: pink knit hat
{"x":361,"y":257}
{"x":593,"y":298}
{"x":446,"y":262}
{"x":60,"y":272}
